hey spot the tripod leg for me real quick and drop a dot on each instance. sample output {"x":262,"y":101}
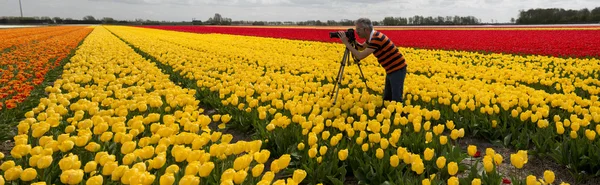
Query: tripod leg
{"x":336,"y":80}
{"x":340,"y":71}
{"x":339,"y":81}
{"x":337,"y":91}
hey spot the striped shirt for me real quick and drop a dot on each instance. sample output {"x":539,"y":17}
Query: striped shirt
{"x":386,"y":52}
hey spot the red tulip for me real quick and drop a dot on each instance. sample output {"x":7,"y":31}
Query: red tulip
{"x":574,"y":42}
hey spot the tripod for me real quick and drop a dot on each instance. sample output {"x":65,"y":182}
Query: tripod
{"x":345,"y":62}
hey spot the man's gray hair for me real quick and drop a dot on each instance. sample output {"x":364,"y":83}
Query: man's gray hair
{"x":365,"y":22}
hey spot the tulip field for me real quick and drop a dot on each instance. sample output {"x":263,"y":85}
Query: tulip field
{"x":194,"y":105}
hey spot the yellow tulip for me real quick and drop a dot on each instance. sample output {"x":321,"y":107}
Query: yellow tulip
{"x":476,"y":181}
{"x":263,"y":182}
{"x":375,"y":138}
{"x":7,"y":165}
{"x":66,"y":146}
{"x":575,"y":126}
{"x":472,"y":150}
{"x":549,"y":176}
{"x":240,"y":177}
{"x":28,"y":174}
{"x":498,"y":159}
{"x":205,"y":169}
{"x":129,"y":159}
{"x":270,"y":127}
{"x":443,"y":140}
{"x":490,"y":151}
{"x":312,"y":153}
{"x":454,"y":134}
{"x":374,"y":126}
{"x":192,"y":168}
{"x":242,"y":162}
{"x":299,"y":175}
{"x":128,"y":147}
{"x":452,"y":168}
{"x":517,"y":160}
{"x":90,"y":166}
{"x":425,"y":182}
{"x":417,"y":166}
{"x":92,"y":147}
{"x":268,"y":176}
{"x":453,"y":181}
{"x":216,"y":117}
{"x":70,"y":162}
{"x":428,"y":137}
{"x":531,"y":180}
{"x":359,"y":140}
{"x":279,"y":182}
{"x":172,"y":169}
{"x":559,"y":128}
{"x":106,"y":136}
{"x":417,"y":126}
{"x":335,"y":140}
{"x":379,"y":153}
{"x":95,"y":180}
{"x":449,"y":124}
{"x":13,"y":173}
{"x":488,"y":163}
{"x":109,"y":167}
{"x":119,"y":172}
{"x":71,"y":176}
{"x":34,"y":159}
{"x":428,"y":154}
{"x":590,"y":134}
{"x":82,"y":141}
{"x":343,"y":154}
{"x":257,"y":170}
{"x":394,"y":160}
{"x":573,"y":134}
{"x":385,"y":129}
{"x":300,"y":146}
{"x":189,"y":180}
{"x":323,"y":150}
{"x":325,"y":135}
{"x":440,"y":162}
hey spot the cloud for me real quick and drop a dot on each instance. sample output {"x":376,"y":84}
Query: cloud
{"x":282,"y":10}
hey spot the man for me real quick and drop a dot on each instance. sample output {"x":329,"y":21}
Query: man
{"x":387,"y":54}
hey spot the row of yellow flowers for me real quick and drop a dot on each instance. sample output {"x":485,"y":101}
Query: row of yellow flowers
{"x":284,"y":83}
{"x":114,"y":118}
{"x":521,"y":102}
{"x":562,"y":75}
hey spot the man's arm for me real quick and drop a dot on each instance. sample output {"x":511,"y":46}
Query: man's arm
{"x":360,"y":46}
{"x":358,"y":54}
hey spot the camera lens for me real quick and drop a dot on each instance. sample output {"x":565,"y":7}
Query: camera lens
{"x":334,"y":35}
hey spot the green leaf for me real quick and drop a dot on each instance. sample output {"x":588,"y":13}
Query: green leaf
{"x":342,"y":170}
{"x":335,"y":181}
{"x":360,"y":175}
{"x":507,"y":139}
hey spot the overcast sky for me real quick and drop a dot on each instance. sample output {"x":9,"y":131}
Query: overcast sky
{"x":282,"y":10}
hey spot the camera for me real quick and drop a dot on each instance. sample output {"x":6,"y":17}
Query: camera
{"x":349,"y":34}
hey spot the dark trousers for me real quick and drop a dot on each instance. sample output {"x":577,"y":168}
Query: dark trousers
{"x":394,"y":86}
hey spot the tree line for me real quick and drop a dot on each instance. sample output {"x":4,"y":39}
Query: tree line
{"x":558,"y":16}
{"x":422,"y":20}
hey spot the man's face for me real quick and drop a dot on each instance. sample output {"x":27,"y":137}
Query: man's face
{"x":362,"y":32}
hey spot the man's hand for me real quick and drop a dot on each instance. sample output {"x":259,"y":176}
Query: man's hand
{"x":343,"y":37}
